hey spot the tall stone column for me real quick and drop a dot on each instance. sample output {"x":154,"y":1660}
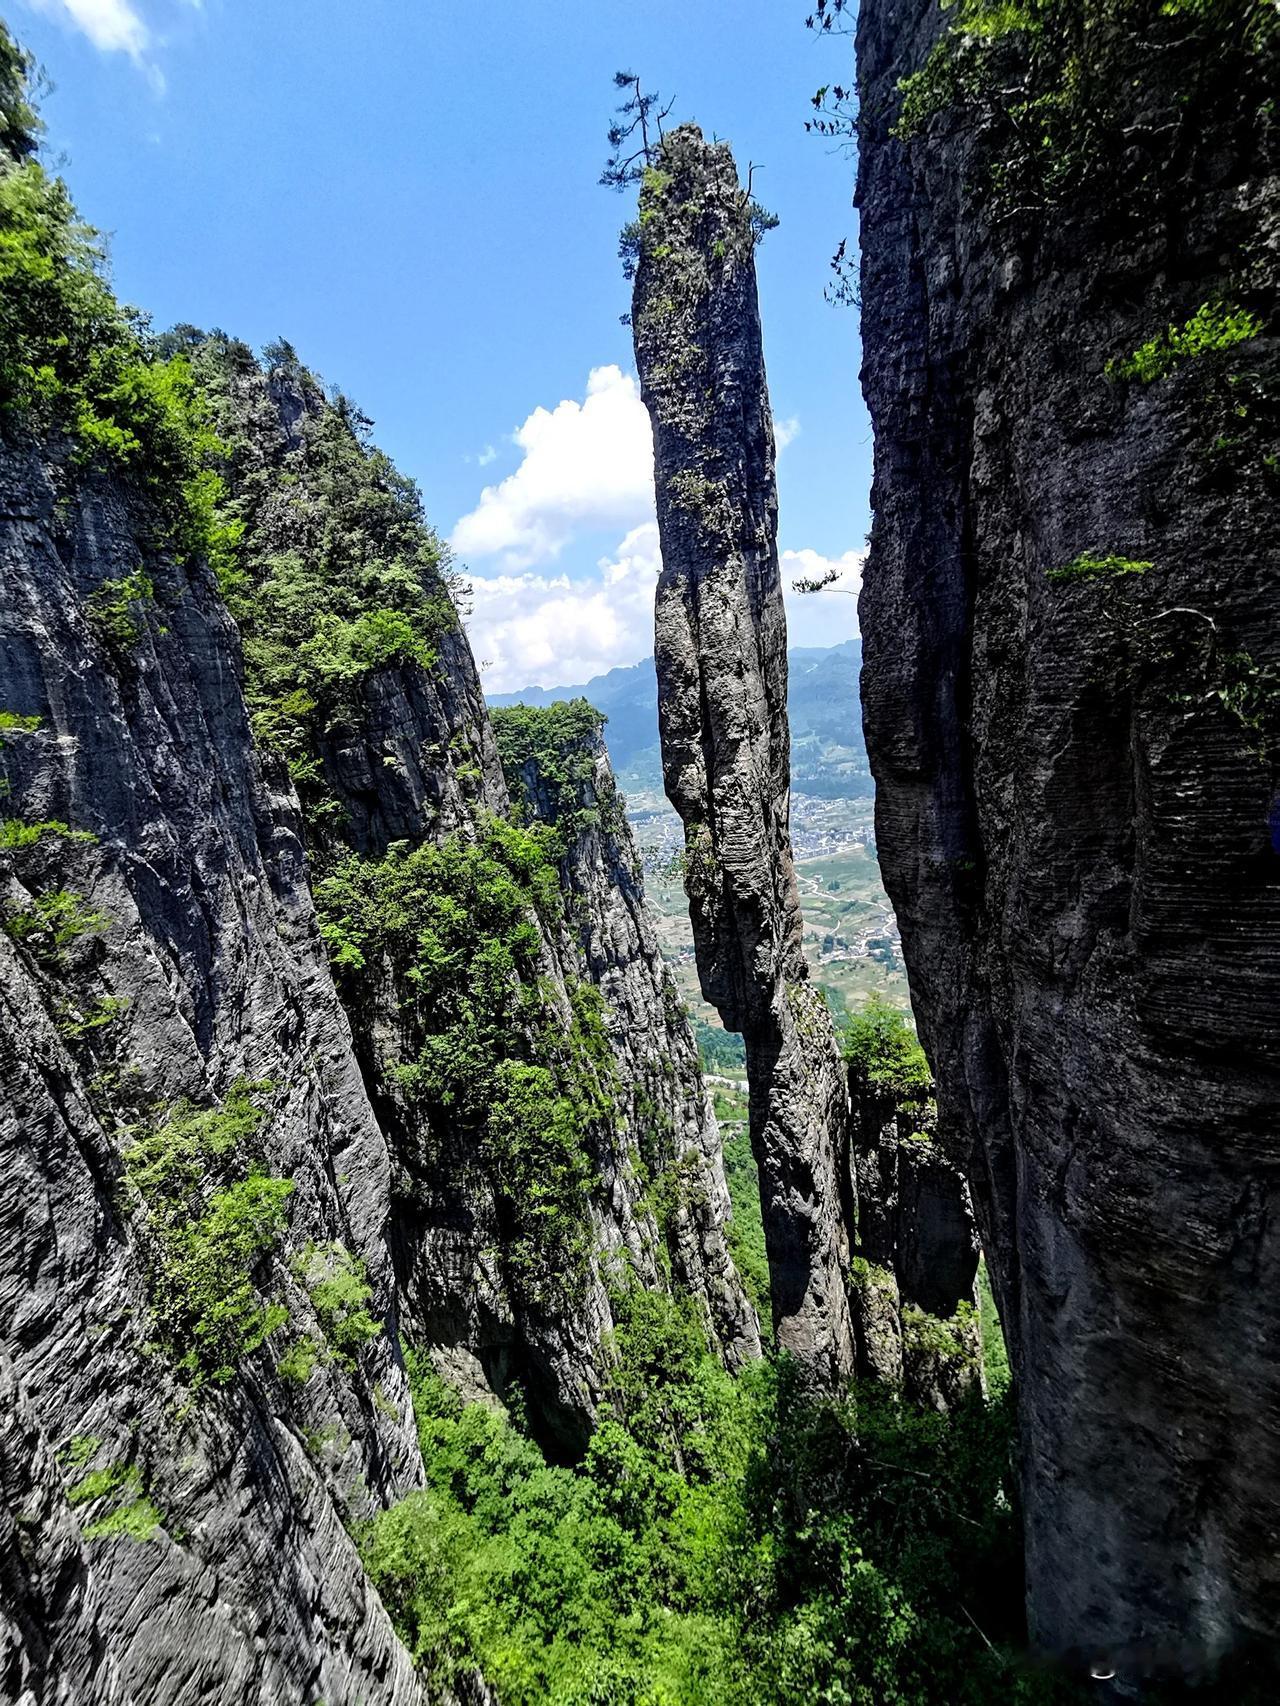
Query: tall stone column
{"x":722,"y":710}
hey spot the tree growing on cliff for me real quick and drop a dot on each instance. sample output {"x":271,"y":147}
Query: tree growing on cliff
{"x":635,"y":133}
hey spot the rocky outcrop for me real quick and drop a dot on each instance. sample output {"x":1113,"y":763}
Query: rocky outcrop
{"x":722,"y":676}
{"x":665,"y":1179}
{"x":231,"y":1192}
{"x":157,"y":1547}
{"x":915,"y":1258}
{"x":1070,"y":660}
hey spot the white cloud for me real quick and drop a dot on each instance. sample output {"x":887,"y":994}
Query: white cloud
{"x":785,"y":432}
{"x":822,"y":618}
{"x":535,"y":630}
{"x":539,"y":630}
{"x":114,"y":26}
{"x":585,"y":465}
{"x":486,"y":456}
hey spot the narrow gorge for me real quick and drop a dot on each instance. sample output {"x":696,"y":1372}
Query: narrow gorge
{"x":433,"y":1273}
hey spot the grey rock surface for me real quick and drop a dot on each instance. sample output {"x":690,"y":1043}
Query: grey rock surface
{"x":250,"y":1588}
{"x":670,"y":1143}
{"x":1076,"y":794}
{"x":720,"y":650}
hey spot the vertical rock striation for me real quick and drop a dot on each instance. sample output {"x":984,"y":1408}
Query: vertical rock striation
{"x":1070,"y":690}
{"x":722,"y":673}
{"x":668,"y":1162}
{"x":199,"y":964}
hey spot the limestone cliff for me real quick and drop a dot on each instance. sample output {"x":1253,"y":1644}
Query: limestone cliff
{"x":720,"y":649}
{"x":233,"y":1194}
{"x":1070,"y":692}
{"x":157,"y":1548}
{"x":667,"y":1173}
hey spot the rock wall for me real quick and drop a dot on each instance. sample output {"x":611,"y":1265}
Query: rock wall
{"x":722,"y":673}
{"x":248,"y":1587}
{"x":1070,"y":630}
{"x":666,"y":1182}
{"x":175,"y":1529}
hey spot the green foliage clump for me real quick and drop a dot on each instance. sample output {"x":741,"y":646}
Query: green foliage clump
{"x":340,"y":1292}
{"x":116,"y":611}
{"x":746,"y":1228}
{"x":53,"y":922}
{"x":298,"y":1362}
{"x":211,"y":1215}
{"x":129,"y":1515}
{"x":557,"y":741}
{"x":75,"y":365}
{"x":459,"y":927}
{"x":93,"y":1016}
{"x":330,"y":568}
{"x":885,"y":1059}
{"x":15,"y":832}
{"x":18,"y":722}
{"x":995,"y":1356}
{"x":722,"y":1543}
{"x":1214,"y":326}
{"x":1089,"y":566}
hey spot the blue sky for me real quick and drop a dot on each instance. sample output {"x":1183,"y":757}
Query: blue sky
{"x":406,"y":189}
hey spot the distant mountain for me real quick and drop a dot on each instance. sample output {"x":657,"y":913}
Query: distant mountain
{"x":828,"y":757}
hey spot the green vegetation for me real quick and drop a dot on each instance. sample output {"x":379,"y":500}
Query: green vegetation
{"x":1057,"y":92}
{"x":995,"y":1357}
{"x":210,"y":1216}
{"x":885,"y":1059}
{"x":15,"y":833}
{"x":129,"y":1514}
{"x":55,"y":920}
{"x":722,"y":1543}
{"x":116,"y":612}
{"x":340,"y":1292}
{"x":298,"y":1362}
{"x":1214,"y":326}
{"x":325,"y":559}
{"x":17,"y":722}
{"x":746,"y":1229}
{"x":1088,"y":566}
{"x":103,"y":1010}
{"x":319,"y":545}
{"x":557,"y":740}
{"x":458,"y":926}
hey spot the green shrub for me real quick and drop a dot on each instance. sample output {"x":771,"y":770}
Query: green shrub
{"x":1214,"y":326}
{"x":15,"y":832}
{"x":212,"y":1214}
{"x":18,"y":722}
{"x":93,"y":1016}
{"x":558,"y":741}
{"x":885,"y":1059}
{"x":459,"y":928}
{"x":722,"y":1542}
{"x":298,"y":1362}
{"x":116,"y":611}
{"x":1059,"y":96}
{"x":54,"y":922}
{"x":130,"y":1514}
{"x":1088,"y":567}
{"x":339,"y":1291}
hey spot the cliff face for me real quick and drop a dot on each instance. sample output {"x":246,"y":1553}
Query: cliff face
{"x":157,"y":1548}
{"x":665,"y":1182}
{"x":233,"y":1193}
{"x":1069,"y":687}
{"x":720,"y":649}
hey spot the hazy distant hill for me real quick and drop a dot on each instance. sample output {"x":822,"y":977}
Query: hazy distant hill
{"x":828,"y":757}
